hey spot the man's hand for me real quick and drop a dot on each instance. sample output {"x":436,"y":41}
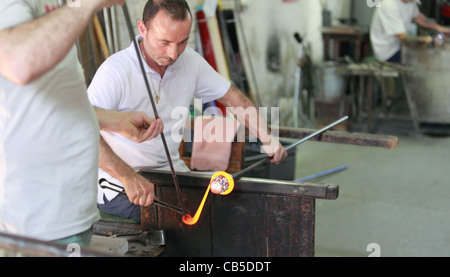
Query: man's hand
{"x":136,"y":126}
{"x":139,"y":190}
{"x":274,"y":150}
{"x":443,"y":29}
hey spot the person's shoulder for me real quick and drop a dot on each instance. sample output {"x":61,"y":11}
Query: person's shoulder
{"x":123,"y":60}
{"x":389,"y":4}
{"x":121,"y":57}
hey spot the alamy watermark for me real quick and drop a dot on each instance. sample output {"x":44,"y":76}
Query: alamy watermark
{"x":374,"y":249}
{"x":75,"y":250}
{"x":374,"y":3}
{"x":215,"y":128}
{"x":74,"y":3}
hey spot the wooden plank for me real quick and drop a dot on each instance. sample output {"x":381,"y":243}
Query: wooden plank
{"x":260,"y":218}
{"x":290,"y":226}
{"x":248,"y":185}
{"x":359,"y":139}
{"x":193,"y":241}
{"x":238,"y":225}
{"x":283,"y":225}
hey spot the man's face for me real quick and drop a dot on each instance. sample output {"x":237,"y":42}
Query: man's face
{"x":164,"y":38}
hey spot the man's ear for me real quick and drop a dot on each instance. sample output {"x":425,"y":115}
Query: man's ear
{"x":142,"y":28}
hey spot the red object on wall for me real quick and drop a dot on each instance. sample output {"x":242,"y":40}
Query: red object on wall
{"x":445,"y":11}
{"x":208,"y":52}
{"x":207,"y":48}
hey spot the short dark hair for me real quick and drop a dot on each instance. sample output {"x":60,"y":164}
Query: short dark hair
{"x":176,"y":8}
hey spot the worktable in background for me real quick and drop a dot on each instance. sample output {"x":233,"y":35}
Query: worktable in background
{"x":357,"y":36}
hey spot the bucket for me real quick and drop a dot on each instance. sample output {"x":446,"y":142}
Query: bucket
{"x":330,"y":84}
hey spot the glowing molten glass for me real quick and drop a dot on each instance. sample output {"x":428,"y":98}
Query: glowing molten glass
{"x":221,"y":183}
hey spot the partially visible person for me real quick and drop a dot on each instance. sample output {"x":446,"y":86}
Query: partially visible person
{"x":49,"y":132}
{"x":390,"y":25}
{"x":176,"y":74}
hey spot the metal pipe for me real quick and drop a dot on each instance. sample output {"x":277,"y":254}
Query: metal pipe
{"x":156,"y":201}
{"x":155,"y":111}
{"x":38,"y":248}
{"x":323,"y":173}
{"x":108,"y":29}
{"x":290,"y":147}
{"x":115,"y":34}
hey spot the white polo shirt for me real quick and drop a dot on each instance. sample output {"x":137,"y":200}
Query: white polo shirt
{"x":392,"y":18}
{"x":48,"y":145}
{"x":119,"y":85}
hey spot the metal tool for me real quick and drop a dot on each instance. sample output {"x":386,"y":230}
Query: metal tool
{"x":289,"y":148}
{"x":156,"y":201}
{"x":155,"y":111}
{"x":148,"y":238}
{"x":228,"y":179}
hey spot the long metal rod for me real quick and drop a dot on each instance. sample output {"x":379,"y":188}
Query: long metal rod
{"x":156,"y":201}
{"x":290,"y":147}
{"x":321,"y":174}
{"x":155,"y":111}
{"x":316,"y":133}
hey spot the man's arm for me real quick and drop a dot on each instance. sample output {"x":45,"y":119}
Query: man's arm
{"x":136,"y":126}
{"x":33,"y":48}
{"x":139,"y":190}
{"x":423,"y":21}
{"x":410,"y":40}
{"x":257,"y":126}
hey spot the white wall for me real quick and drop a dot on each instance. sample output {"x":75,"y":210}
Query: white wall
{"x":270,"y":22}
{"x":266,"y":23}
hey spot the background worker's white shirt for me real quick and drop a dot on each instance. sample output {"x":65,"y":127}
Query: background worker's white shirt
{"x":392,"y":18}
{"x":48,"y":145}
{"x":119,"y":85}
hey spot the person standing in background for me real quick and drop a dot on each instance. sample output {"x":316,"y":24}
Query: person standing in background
{"x":389,"y":28}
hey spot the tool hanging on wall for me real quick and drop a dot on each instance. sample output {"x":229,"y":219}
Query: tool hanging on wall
{"x":297,"y":111}
{"x":222,"y":183}
{"x":255,"y":97}
{"x":155,"y":111}
{"x":101,"y":37}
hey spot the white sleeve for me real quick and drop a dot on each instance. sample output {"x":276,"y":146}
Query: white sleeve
{"x":416,"y":11}
{"x":210,"y":84}
{"x":106,"y":87}
{"x":391,"y":20}
{"x":14,"y":12}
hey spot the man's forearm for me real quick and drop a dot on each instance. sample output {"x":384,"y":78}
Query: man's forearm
{"x":247,"y":114}
{"x":410,"y":40}
{"x":112,"y":164}
{"x":139,"y":190}
{"x":33,"y":48}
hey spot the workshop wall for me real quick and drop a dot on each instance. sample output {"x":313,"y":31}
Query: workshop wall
{"x":268,"y":29}
{"x":268,"y":49}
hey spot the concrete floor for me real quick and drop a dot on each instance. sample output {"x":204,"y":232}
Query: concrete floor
{"x":397,"y":199}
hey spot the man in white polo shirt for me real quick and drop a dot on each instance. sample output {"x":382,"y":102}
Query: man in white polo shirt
{"x":176,"y":75}
{"x":390,"y":25}
{"x":49,"y":132}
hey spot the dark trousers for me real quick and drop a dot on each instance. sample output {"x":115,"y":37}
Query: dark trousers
{"x":121,"y":206}
{"x":396,"y":58}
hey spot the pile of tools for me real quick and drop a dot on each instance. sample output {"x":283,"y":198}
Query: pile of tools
{"x":98,"y":42}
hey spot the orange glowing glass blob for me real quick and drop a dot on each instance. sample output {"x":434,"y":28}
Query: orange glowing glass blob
{"x":223,"y":184}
